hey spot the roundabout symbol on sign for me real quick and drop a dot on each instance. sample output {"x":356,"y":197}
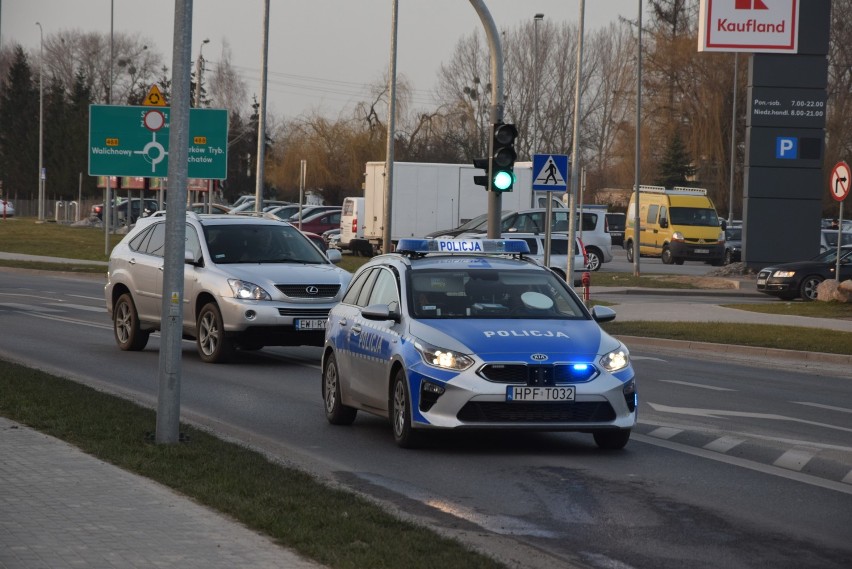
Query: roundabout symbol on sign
{"x":153,"y":152}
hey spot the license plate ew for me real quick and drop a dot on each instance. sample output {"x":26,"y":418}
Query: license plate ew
{"x":702,"y":251}
{"x":311,"y":324}
{"x":540,"y":393}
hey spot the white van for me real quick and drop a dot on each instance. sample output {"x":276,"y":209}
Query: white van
{"x":352,"y":227}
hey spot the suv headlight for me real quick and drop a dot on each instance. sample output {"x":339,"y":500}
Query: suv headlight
{"x":247,"y":291}
{"x":617,"y":359}
{"x":441,"y":358}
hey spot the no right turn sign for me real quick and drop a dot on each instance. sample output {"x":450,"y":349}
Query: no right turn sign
{"x":841,"y":178}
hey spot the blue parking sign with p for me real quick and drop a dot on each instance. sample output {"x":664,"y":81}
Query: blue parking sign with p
{"x":786,"y":148}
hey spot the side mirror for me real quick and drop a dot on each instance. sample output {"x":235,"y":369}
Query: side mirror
{"x":189,"y":258}
{"x":603,"y":314}
{"x":723,"y":224}
{"x":664,"y":223}
{"x":381,"y":312}
{"x":334,"y":256}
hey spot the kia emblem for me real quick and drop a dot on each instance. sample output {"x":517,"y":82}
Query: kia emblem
{"x":538,"y":357}
{"x":312,"y":289}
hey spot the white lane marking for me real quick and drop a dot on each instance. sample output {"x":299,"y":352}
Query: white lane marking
{"x":848,"y":478}
{"x":73,"y":321}
{"x":844,"y":488}
{"x":97,"y":298}
{"x":79,"y":306}
{"x":665,"y":432}
{"x":702,"y":386}
{"x":26,"y":307}
{"x":724,"y":443}
{"x":821,"y":406}
{"x":719,"y":413}
{"x":795,"y":459}
{"x":653,"y":359}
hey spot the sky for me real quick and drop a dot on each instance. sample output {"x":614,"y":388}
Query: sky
{"x":323,"y":54}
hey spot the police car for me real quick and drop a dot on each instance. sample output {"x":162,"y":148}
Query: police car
{"x":473,"y":334}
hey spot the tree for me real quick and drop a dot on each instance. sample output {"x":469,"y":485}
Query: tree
{"x":676,"y":167}
{"x":19,"y":114}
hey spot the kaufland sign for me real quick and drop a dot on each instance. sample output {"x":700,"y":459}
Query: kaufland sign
{"x":761,"y":26}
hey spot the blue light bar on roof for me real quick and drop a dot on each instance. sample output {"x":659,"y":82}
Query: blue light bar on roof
{"x":475,"y":246}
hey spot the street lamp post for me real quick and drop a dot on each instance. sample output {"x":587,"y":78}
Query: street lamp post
{"x":41,"y":124}
{"x":199,"y":66}
{"x":536,"y":79}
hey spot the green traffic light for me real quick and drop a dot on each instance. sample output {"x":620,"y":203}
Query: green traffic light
{"x":503,"y":180}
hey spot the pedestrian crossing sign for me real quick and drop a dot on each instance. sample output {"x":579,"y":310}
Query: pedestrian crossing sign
{"x":550,"y":172}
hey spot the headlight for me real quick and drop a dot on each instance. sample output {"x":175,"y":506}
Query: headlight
{"x":441,"y":358}
{"x":721,"y":237}
{"x":247,"y":291}
{"x":677,"y":236}
{"x":616,"y":359}
{"x":783,"y":274}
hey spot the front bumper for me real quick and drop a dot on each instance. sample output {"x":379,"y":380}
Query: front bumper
{"x":697,"y":251}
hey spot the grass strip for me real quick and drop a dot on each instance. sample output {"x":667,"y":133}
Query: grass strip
{"x":759,"y":335}
{"x":332,"y":526}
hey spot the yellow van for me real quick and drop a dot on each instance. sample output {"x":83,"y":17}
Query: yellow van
{"x":676,"y":225}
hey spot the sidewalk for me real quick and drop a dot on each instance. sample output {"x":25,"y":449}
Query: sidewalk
{"x":61,"y":508}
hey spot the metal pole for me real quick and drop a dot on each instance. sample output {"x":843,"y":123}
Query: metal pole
{"x":495,"y":199}
{"x":537,"y":79}
{"x":733,"y":146}
{"x":108,"y":189}
{"x":303,"y":174}
{"x":575,"y":153}
{"x":389,"y":154}
{"x":41,"y":124}
{"x":261,"y":118}
{"x":839,"y":243}
{"x":636,"y":228}
{"x":168,"y":400}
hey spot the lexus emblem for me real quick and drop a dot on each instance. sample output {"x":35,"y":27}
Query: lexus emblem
{"x":312,"y":289}
{"x":538,"y":357}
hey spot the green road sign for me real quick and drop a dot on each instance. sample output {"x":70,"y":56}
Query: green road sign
{"x":134,"y":141}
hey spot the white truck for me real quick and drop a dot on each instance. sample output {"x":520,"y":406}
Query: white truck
{"x":428,"y":197}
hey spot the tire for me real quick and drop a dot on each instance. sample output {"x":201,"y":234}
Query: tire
{"x":595,"y":259}
{"x":612,"y":440}
{"x":400,"y":413}
{"x":808,"y":288}
{"x":678,"y":260}
{"x":125,"y":324}
{"x":335,"y":412}
{"x":629,"y":250}
{"x":213,"y":346}
{"x":729,"y":258}
{"x":667,"y":257}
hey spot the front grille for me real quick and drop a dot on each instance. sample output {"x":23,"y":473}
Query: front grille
{"x":529,"y":412}
{"x":302,"y":290}
{"x":304,"y":312}
{"x":536,"y":374}
{"x":763,"y":274}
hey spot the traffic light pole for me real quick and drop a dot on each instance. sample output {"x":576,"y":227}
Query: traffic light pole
{"x":495,"y":199}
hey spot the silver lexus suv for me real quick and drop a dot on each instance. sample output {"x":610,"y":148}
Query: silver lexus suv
{"x":249,"y":282}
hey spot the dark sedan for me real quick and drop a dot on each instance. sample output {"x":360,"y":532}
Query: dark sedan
{"x":801,"y":278}
{"x":733,"y":245}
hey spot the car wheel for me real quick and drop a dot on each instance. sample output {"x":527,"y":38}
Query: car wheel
{"x":629,"y":250}
{"x":667,"y":257}
{"x":808,"y":288}
{"x":678,"y":260}
{"x":400,"y":406}
{"x":336,"y":412}
{"x":125,"y":323}
{"x":213,"y":346}
{"x":595,"y":259}
{"x":612,"y":440}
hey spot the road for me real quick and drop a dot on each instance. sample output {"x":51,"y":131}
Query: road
{"x":731,"y":465}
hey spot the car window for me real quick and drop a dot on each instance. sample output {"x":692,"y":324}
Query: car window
{"x":652,"y":213}
{"x":490,"y":293}
{"x":136,"y":243}
{"x":193,"y":245}
{"x":698,"y":216}
{"x":664,"y":216}
{"x":364,"y":295}
{"x":351,"y":296}
{"x":385,"y":289}
{"x":156,"y":242}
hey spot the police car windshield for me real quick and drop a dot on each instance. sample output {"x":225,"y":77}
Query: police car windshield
{"x":490,"y":293}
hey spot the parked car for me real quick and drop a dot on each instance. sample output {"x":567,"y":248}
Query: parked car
{"x":6,"y":208}
{"x":332,"y":238}
{"x":201,"y":207}
{"x":247,"y":205}
{"x":733,"y":245}
{"x":138,"y":208}
{"x":286,"y":212}
{"x":592,"y":231}
{"x":558,"y":253}
{"x":828,"y":239}
{"x":469,"y":225}
{"x":249,"y":282}
{"x":318,"y":221}
{"x":801,"y":278}
{"x":615,"y":223}
{"x":455,"y":334}
{"x":316,"y":240}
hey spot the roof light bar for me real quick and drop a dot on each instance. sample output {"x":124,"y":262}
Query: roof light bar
{"x":478,"y":246}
